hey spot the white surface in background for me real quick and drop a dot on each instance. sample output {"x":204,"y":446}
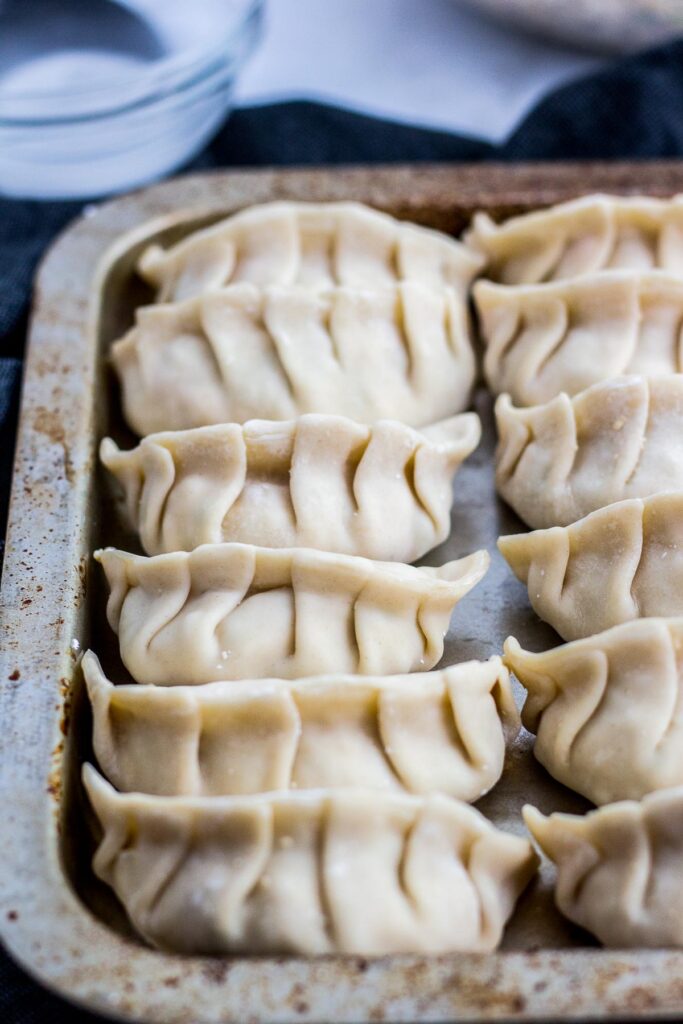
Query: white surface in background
{"x":431,"y":62}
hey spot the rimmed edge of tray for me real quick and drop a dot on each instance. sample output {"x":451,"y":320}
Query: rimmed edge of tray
{"x":42,"y":922}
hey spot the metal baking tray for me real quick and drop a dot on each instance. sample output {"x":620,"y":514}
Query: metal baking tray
{"x":55,"y":919}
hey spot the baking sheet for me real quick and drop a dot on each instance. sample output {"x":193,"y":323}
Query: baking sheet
{"x":52,"y":911}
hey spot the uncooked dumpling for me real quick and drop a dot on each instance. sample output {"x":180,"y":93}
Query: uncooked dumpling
{"x":620,"y":439}
{"x":323,"y":871}
{"x":607,"y":711}
{"x":619,"y":868}
{"x":319,"y":481}
{"x":315,"y":245}
{"x":436,"y":732}
{"x":580,"y":237}
{"x":623,"y":562}
{"x":544,"y":339}
{"x":244,"y":352}
{"x":234,"y":611}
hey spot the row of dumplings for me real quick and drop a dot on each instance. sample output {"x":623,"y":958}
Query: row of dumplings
{"x":276,"y":551}
{"x":287,"y":773}
{"x":582,"y":322}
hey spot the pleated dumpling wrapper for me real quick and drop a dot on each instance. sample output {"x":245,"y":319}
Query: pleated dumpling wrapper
{"x":623,"y":562}
{"x":234,"y":611}
{"x":436,"y":732}
{"x":619,"y":868}
{"x":321,"y":871}
{"x":319,"y":481}
{"x":314,"y":245}
{"x":585,"y":235}
{"x":607,"y":711}
{"x":544,"y":339}
{"x":620,"y":439}
{"x":401,"y":352}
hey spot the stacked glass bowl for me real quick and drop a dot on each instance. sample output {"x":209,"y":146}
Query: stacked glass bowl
{"x":97,"y":96}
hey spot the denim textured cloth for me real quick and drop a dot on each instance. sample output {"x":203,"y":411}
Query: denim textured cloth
{"x":631,"y":109}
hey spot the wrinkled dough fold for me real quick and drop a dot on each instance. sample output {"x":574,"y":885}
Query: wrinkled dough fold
{"x":623,"y":562}
{"x":323,"y":482}
{"x":234,"y":611}
{"x":544,"y":339}
{"x":314,"y":245}
{"x":325,"y":871}
{"x":607,"y":711}
{"x":583,"y":236}
{"x":435,"y":732}
{"x":401,"y":352}
{"x":619,"y":868}
{"x":620,"y":439}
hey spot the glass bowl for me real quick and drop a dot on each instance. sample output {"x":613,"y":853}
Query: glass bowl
{"x":98,"y":96}
{"x":610,"y":26}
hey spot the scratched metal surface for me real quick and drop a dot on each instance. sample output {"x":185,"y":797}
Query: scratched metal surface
{"x":54,"y":918}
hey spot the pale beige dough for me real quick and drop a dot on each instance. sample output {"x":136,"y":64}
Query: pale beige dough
{"x":619,"y":439}
{"x":323,"y":871}
{"x":234,"y":611}
{"x":623,"y":562}
{"x":544,"y":339}
{"x":619,"y":868}
{"x":437,"y":732}
{"x":324,"y":482}
{"x":246,"y":352}
{"x":597,"y":232}
{"x":315,"y":245}
{"x":607,"y":711}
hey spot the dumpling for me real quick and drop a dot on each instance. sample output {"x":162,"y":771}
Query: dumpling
{"x":623,"y":562}
{"x":402,"y":352}
{"x":233,"y":611}
{"x":619,"y":868}
{"x":607,"y":711}
{"x":579,"y":237}
{"x":435,"y":732}
{"x":243,"y":352}
{"x":319,"y":481}
{"x":322,"y":871}
{"x":315,"y":245}
{"x":544,"y":339}
{"x":620,"y":439}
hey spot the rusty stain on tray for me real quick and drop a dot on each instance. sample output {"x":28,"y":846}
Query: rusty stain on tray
{"x":49,"y":423}
{"x":52,"y":912}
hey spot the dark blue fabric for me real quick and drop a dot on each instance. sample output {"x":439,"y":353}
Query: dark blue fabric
{"x":634,"y":108}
